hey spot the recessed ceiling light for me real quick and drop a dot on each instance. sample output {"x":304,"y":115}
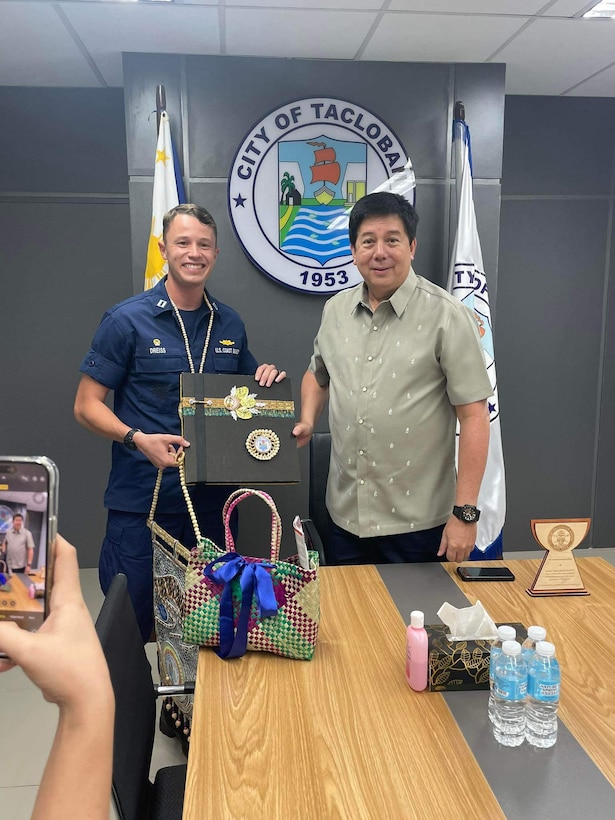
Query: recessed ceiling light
{"x":605,"y":9}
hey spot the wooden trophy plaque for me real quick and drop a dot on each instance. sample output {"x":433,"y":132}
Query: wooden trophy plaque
{"x":558,"y":573}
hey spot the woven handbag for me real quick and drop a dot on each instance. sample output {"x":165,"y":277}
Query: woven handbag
{"x":238,"y":603}
{"x":177,"y":660}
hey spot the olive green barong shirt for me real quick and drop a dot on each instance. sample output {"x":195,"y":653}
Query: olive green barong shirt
{"x":394,"y":378}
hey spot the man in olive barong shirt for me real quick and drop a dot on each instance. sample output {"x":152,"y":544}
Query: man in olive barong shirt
{"x":400,"y":361}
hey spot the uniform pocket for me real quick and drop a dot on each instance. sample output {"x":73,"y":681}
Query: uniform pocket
{"x":226,"y":363}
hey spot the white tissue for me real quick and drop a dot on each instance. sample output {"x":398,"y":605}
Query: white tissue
{"x":304,"y":559}
{"x":468,"y":623}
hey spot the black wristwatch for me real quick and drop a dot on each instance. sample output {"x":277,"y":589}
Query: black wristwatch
{"x":468,"y":514}
{"x":129,"y":438}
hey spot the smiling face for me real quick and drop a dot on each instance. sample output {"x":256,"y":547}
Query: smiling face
{"x":190,"y":249}
{"x":383,"y":254}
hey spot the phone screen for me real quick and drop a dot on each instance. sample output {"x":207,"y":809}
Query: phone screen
{"x":28,"y":516}
{"x":485,"y":574}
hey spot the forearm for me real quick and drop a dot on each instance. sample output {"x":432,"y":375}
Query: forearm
{"x":78,"y":771}
{"x":313,"y":399}
{"x":92,"y":412}
{"x":472,"y":456}
{"x":96,"y":417}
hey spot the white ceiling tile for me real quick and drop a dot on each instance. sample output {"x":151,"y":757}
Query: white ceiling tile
{"x":567,"y":8}
{"x":550,"y":56}
{"x":36,"y":49}
{"x":307,"y":34}
{"x":80,"y":42}
{"x":441,"y":39}
{"x":352,"y":5}
{"x":523,"y":7}
{"x":602,"y":85}
{"x":162,"y":28}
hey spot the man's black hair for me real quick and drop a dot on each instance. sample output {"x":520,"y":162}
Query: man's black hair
{"x":383,"y":203}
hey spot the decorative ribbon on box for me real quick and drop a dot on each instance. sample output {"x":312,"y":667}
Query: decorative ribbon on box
{"x":238,"y":603}
{"x":239,"y":434}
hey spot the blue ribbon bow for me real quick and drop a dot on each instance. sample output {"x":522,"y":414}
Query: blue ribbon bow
{"x":253,"y":579}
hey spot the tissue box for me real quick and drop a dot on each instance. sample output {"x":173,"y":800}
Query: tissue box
{"x":456,"y":666}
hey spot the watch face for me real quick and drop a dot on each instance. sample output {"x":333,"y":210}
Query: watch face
{"x":467,"y":513}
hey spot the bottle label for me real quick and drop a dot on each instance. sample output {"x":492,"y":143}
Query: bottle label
{"x":547,"y":691}
{"x":510,"y":689}
{"x":494,"y":654}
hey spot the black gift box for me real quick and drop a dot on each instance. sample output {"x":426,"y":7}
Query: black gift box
{"x":457,"y":666}
{"x":239,"y":433}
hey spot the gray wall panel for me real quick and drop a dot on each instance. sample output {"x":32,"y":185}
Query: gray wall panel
{"x":227,"y":95}
{"x":604,"y":510}
{"x":141,"y":190}
{"x":146,"y":72}
{"x":483,"y":97}
{"x":62,"y":279}
{"x":63,"y":140}
{"x":548,"y":345}
{"x":556,"y":145}
{"x":431,"y":255}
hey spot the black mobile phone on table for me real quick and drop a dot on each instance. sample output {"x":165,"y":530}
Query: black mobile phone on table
{"x":485,"y":574}
{"x":28,"y":527}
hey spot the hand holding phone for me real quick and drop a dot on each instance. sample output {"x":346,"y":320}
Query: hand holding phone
{"x":485,"y":573}
{"x":28,"y":526}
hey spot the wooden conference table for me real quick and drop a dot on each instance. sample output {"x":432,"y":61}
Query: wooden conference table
{"x":343,"y":736}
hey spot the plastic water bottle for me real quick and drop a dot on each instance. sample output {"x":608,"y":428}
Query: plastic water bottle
{"x":534,"y":634}
{"x":505,"y":633}
{"x":509,"y":691}
{"x":543,"y":697}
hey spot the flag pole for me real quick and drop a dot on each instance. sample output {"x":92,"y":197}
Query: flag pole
{"x":161,"y":104}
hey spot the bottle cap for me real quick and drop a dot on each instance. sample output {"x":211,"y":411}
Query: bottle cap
{"x":507,"y":633}
{"x":536,"y":633}
{"x":417,"y":619}
{"x":511,"y":648}
{"x":545,"y":649}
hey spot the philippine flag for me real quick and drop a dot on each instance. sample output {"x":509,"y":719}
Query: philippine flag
{"x":168,"y":192}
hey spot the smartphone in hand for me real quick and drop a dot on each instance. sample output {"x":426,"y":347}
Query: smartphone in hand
{"x":28,"y":527}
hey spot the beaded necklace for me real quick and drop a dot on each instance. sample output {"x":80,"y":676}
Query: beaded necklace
{"x":182,"y":327}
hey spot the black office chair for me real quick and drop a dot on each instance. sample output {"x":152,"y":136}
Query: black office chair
{"x":317,"y":526}
{"x":135,"y":797}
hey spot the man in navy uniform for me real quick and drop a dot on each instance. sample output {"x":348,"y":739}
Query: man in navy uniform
{"x":139,"y":350}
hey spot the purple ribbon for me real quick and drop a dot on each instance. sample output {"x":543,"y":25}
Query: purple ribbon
{"x":253,"y":580}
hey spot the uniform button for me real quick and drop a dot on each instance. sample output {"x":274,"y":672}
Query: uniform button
{"x":364,"y":389}
{"x":370,"y":358}
{"x":375,"y":327}
{"x":360,"y":421}
{"x":361,"y":452}
{"x":362,"y":481}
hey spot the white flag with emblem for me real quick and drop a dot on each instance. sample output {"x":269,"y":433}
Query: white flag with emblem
{"x":168,"y":192}
{"x":467,"y":282}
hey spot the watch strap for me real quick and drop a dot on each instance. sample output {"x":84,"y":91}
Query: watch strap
{"x":129,"y":438}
